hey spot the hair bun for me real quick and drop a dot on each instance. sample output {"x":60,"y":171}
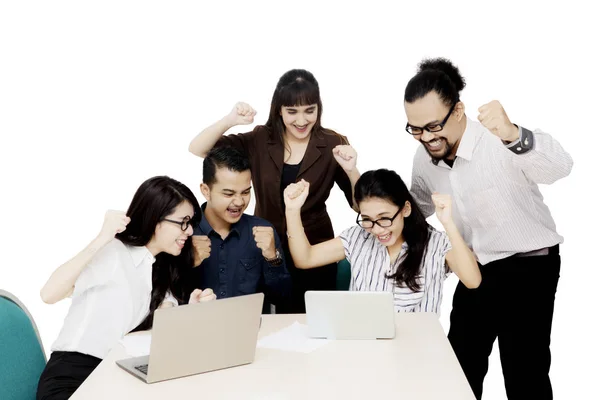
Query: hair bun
{"x":446,"y":67}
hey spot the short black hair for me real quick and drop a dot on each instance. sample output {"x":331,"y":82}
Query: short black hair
{"x":223,"y":157}
{"x":439,"y":75}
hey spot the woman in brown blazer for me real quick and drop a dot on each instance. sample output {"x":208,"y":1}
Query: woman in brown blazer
{"x":292,"y":145}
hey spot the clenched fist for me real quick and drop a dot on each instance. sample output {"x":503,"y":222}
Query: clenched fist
{"x":346,"y":156}
{"x":295,"y":195}
{"x":114,"y":222}
{"x":443,"y":207}
{"x":201,"y":246}
{"x":265,"y":240}
{"x":200,"y":296}
{"x":494,"y":118}
{"x":241,"y":114}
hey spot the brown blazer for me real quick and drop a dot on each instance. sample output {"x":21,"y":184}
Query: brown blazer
{"x":265,"y":151}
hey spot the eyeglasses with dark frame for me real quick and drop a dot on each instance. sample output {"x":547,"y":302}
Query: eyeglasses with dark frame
{"x":184,"y":224}
{"x":416,"y":130}
{"x":384,"y":222}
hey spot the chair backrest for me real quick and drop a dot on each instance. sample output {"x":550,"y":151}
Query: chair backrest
{"x":343,"y":275}
{"x":22,"y":357}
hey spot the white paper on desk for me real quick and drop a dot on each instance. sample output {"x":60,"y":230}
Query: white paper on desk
{"x":137,"y":345}
{"x":293,"y":338}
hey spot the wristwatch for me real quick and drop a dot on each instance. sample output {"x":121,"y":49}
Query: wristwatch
{"x":275,"y":261}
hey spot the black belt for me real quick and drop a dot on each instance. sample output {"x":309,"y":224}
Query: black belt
{"x":554,"y":250}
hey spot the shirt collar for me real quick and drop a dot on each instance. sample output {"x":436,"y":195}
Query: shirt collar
{"x":468,"y":141}
{"x":403,"y":249}
{"x":206,"y":229}
{"x":139,"y":254}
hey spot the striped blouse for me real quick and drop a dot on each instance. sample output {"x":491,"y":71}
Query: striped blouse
{"x":370,"y":263}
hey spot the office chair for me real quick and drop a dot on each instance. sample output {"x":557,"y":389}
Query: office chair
{"x":343,"y":275}
{"x":22,"y":357}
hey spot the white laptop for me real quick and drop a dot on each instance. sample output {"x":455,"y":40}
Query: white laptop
{"x":350,"y":315}
{"x":195,"y":338}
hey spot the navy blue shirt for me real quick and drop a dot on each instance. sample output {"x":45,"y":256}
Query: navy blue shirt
{"x":236,"y":265}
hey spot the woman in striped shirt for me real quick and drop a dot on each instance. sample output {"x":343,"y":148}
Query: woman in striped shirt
{"x":392,"y":248}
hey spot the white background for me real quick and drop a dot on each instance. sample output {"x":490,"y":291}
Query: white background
{"x":97,"y":97}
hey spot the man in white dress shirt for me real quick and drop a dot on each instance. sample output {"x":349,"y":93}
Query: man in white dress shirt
{"x":492,"y":169}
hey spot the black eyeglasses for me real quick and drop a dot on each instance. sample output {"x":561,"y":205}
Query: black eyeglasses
{"x":415,"y":130}
{"x":185,"y":223}
{"x":384,"y":222}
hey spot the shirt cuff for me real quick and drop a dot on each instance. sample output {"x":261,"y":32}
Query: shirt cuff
{"x":525,"y":142}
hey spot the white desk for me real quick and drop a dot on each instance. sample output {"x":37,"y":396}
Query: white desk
{"x":418,"y":364}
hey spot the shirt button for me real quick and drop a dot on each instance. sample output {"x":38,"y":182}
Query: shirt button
{"x":222,"y":270}
{"x":222,"y":294}
{"x":221,"y":246}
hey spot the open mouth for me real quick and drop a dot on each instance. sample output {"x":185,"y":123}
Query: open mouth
{"x":384,"y":238}
{"x":180,"y":243}
{"x":434,"y":145}
{"x":234,"y":212}
{"x":301,"y":128}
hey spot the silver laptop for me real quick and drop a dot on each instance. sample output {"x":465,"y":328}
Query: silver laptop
{"x":350,"y":315}
{"x":196,"y":338}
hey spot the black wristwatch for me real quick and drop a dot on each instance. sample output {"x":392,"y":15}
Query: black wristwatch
{"x":275,"y":261}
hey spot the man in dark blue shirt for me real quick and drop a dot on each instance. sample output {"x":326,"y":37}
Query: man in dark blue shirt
{"x":237,"y":253}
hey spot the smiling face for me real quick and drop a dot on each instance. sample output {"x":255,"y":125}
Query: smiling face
{"x":387,"y":214}
{"x":227,"y":197}
{"x":299,"y":120}
{"x":430,"y":112}
{"x":168,"y":235}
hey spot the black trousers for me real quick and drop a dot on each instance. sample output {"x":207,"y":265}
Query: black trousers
{"x":64,"y":373}
{"x":514,"y":303}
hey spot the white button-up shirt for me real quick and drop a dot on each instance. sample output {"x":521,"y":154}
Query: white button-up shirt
{"x":496,"y":201}
{"x":111,"y":297}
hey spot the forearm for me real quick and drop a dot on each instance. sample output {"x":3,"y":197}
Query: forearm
{"x":462,"y":261}
{"x":207,"y":139}
{"x":540,"y":156}
{"x":300,"y":247}
{"x":61,"y":282}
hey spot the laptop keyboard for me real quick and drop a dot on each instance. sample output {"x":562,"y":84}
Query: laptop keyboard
{"x":142,"y":368}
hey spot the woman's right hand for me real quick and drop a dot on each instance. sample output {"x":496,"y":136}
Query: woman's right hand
{"x":241,"y":114}
{"x":114,"y":222}
{"x":295,"y":195}
{"x":200,"y":296}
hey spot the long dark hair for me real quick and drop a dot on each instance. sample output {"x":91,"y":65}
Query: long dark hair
{"x":439,"y":75}
{"x":386,"y":184}
{"x":296,"y":87}
{"x":154,"y":200}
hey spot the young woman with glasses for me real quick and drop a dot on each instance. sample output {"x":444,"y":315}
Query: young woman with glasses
{"x":392,"y":247}
{"x":132,"y":267}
